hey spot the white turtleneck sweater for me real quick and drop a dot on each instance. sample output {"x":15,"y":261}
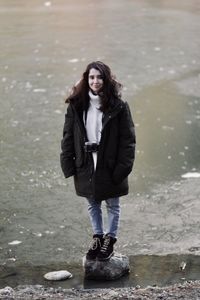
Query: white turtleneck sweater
{"x":93,"y":123}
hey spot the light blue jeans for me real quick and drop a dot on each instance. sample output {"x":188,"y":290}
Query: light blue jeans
{"x":113,"y":212}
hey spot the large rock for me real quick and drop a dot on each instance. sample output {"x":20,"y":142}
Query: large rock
{"x":117,"y":266}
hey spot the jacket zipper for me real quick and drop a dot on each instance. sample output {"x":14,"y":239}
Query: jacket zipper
{"x":108,"y":117}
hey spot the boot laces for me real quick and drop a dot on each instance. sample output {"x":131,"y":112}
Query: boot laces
{"x":105,"y":246}
{"x":94,"y":243}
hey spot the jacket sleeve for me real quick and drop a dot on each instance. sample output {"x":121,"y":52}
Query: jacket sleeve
{"x":126,"y":150}
{"x":67,"y":145}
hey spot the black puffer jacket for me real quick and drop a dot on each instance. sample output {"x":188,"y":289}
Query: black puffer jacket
{"x":115,"y":156}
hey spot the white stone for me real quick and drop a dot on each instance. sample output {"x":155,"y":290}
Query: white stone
{"x":7,"y":291}
{"x":16,"y":242}
{"x":191,"y":175}
{"x":58,"y":275}
{"x":11,"y":259}
{"x":113,"y":294}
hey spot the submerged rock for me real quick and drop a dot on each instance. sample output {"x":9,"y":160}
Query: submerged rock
{"x":58,"y":275}
{"x":117,"y":266}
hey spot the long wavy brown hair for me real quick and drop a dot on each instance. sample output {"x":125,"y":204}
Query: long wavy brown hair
{"x":110,"y":91}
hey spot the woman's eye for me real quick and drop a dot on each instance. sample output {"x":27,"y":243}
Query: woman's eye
{"x":98,"y":77}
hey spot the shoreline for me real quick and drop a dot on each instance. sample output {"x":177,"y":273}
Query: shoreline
{"x":174,"y":228}
{"x":186,"y":291}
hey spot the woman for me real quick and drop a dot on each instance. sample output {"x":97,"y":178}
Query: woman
{"x":98,"y":149}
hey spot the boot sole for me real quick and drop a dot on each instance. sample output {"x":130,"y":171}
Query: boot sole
{"x":106,"y":258}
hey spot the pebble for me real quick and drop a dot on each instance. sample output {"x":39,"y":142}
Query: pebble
{"x":138,"y":287}
{"x":6,"y":291}
{"x":58,"y":275}
{"x":182,"y":265}
{"x":191,"y":175}
{"x":113,"y":293}
{"x":16,"y":242}
{"x":185,"y":291}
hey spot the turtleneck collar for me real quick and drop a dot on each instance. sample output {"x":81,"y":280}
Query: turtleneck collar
{"x":95,"y":99}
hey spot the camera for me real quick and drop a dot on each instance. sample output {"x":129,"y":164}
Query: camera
{"x":91,"y":147}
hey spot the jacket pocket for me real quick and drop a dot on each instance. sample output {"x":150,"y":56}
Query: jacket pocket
{"x":78,"y":162}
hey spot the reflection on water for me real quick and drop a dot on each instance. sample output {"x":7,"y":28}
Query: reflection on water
{"x":144,"y":271}
{"x":168,"y":134}
{"x":153,"y":48}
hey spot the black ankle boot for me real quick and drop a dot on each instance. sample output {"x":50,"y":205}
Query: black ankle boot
{"x":106,"y":250}
{"x":95,"y":247}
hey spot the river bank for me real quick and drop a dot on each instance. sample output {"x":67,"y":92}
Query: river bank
{"x":170,"y":222}
{"x":185,"y":291}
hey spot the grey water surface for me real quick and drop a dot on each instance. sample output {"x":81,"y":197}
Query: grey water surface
{"x":153,"y":47}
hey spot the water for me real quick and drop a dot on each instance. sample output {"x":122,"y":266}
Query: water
{"x":168,"y":133}
{"x":153,"y":48}
{"x":146,"y":270}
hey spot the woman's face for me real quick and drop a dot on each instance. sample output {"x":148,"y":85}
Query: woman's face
{"x":95,"y":80}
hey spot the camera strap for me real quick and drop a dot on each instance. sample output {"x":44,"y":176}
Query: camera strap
{"x":85,"y":116}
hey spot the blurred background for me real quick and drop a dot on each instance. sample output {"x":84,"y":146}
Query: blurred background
{"x":153,"y":48}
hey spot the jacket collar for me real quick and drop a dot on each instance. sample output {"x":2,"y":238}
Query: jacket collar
{"x":110,"y":114}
